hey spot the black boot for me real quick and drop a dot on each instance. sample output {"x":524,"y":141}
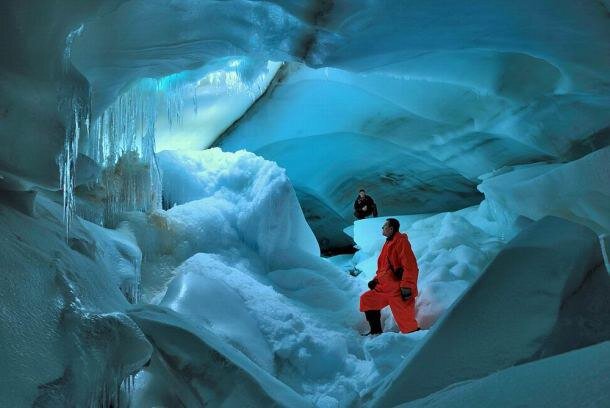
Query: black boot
{"x":374,"y":319}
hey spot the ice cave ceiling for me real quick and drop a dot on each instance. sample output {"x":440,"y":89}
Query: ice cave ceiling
{"x":413,"y":101}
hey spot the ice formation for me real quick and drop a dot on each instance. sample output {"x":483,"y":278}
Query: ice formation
{"x":542,"y":383}
{"x":66,"y":338}
{"x":122,"y":140}
{"x":471,"y":121}
{"x":249,"y":270}
{"x":77,"y":115}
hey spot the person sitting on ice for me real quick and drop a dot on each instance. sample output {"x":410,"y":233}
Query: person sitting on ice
{"x":395,"y":283}
{"x":364,"y":206}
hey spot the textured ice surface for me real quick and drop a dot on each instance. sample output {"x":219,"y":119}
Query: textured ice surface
{"x":421,"y":100}
{"x":465,"y":88}
{"x":194,"y":367}
{"x":218,"y":95}
{"x":416,"y":139}
{"x":65,"y":339}
{"x":577,"y":191}
{"x":575,"y":379}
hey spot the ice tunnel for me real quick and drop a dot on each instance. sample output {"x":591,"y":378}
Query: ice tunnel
{"x":177,"y":186}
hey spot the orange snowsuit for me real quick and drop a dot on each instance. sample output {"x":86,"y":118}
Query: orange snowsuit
{"x":396,"y":253}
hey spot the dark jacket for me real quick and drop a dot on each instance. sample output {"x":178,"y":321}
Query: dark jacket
{"x":360,"y":203}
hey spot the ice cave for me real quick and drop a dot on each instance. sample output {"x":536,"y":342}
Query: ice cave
{"x":177,"y":190}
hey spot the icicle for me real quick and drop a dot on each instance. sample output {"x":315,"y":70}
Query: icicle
{"x":131,"y":288}
{"x":195,"y":102}
{"x":123,"y":143}
{"x":122,"y":138}
{"x":77,"y":122}
{"x":115,"y":391}
{"x":128,"y":386}
{"x":604,"y":241}
{"x":176,"y":89}
{"x":67,"y":58}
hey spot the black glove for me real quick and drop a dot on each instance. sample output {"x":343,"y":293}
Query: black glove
{"x":405,"y":293}
{"x":373,"y":283}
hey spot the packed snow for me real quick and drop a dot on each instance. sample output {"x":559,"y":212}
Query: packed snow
{"x":249,"y":269}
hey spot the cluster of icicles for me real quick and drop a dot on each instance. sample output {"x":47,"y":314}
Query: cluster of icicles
{"x":121,"y":141}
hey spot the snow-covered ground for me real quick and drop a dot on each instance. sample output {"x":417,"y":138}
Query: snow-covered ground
{"x":233,"y":290}
{"x":236,"y":262}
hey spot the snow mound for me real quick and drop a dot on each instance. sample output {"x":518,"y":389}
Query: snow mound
{"x":255,"y":318}
{"x":263,"y":291}
{"x":510,"y":314}
{"x":201,"y":368}
{"x":237,"y":204}
{"x":265,"y":210}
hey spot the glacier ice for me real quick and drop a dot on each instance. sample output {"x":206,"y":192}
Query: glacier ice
{"x":66,"y":338}
{"x":542,"y":383}
{"x":75,"y":107}
{"x":473,"y":120}
{"x":578,"y":190}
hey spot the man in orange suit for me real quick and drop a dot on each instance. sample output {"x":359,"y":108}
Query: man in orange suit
{"x":395,"y":283}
